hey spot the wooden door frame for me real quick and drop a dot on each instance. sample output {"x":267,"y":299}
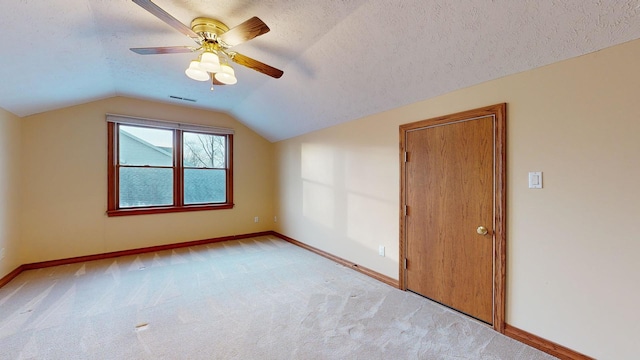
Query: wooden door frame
{"x":499,"y":113}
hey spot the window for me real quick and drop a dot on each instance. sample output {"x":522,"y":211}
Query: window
{"x":157,"y":167}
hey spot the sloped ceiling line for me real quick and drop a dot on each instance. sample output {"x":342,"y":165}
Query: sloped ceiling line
{"x":343,"y":60}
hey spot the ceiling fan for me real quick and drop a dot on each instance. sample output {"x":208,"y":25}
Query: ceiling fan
{"x":214,"y":39}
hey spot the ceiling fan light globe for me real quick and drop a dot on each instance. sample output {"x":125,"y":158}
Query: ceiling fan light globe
{"x":209,"y":62}
{"x":226,"y":75}
{"x":195,"y":72}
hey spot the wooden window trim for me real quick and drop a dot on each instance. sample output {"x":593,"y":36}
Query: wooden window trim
{"x":178,"y":183}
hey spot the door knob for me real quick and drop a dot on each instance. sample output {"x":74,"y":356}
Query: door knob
{"x":482,"y":230}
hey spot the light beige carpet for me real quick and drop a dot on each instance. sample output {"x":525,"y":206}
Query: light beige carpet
{"x":259,"y":298}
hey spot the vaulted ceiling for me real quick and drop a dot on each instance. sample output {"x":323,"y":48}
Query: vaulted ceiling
{"x":342,"y":59}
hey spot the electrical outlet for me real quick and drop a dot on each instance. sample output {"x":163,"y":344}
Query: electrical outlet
{"x":381,"y":250}
{"x":1,"y":253}
{"x":256,"y":219}
{"x":275,"y":219}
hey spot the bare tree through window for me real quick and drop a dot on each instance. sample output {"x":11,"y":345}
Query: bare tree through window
{"x":204,"y":150}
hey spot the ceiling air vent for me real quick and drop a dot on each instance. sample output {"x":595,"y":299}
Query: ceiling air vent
{"x":181,"y":98}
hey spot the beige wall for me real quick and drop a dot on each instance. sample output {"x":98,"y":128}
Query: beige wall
{"x":10,"y":129}
{"x":573,"y":246}
{"x":64,"y":177}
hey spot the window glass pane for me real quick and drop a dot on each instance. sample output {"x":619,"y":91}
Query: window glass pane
{"x":145,"y":146}
{"x":203,"y":186}
{"x":204,"y":150}
{"x":145,"y":187}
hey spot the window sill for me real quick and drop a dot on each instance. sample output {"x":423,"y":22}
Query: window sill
{"x":167,"y":209}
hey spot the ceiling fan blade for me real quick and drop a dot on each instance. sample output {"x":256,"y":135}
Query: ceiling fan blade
{"x":255,"y":65}
{"x":164,"y":50}
{"x":244,"y":32}
{"x":167,"y":18}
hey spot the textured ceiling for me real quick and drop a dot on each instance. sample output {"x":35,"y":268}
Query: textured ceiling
{"x":342,"y":59}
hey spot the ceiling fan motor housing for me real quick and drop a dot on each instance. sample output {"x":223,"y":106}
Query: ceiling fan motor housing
{"x":208,"y":28}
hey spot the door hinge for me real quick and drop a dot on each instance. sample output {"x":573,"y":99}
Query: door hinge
{"x":406,"y":210}
{"x":405,"y":263}
{"x":406,"y":156}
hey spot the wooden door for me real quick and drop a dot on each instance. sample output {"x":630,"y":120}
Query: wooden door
{"x":449,"y":190}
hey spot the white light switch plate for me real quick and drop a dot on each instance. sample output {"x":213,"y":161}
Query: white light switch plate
{"x":535,"y":180}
